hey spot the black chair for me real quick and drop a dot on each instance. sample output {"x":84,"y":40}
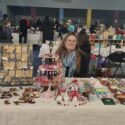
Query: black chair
{"x":115,"y":60}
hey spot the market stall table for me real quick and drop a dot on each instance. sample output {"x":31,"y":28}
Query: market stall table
{"x":93,"y":113}
{"x":33,"y":38}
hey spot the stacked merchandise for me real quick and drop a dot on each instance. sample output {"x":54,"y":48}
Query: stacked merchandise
{"x":49,"y":76}
{"x":19,"y":96}
{"x":117,"y":87}
{"x":72,"y":94}
{"x":16,"y":64}
{"x":97,"y":91}
{"x":49,"y":72}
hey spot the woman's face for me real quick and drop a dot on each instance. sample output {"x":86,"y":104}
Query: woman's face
{"x":70,"y":43}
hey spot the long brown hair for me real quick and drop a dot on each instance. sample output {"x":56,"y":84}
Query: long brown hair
{"x":62,"y":50}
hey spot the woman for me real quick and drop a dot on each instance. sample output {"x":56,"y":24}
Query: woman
{"x":8,"y":32}
{"x":71,"y":57}
{"x":47,"y":28}
{"x":23,"y":26}
{"x":84,"y":45}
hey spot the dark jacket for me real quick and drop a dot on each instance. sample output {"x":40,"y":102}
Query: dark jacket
{"x":8,"y":34}
{"x":47,"y":28}
{"x":85,"y":59}
{"x":23,"y":26}
{"x":2,"y":36}
{"x":84,"y":66}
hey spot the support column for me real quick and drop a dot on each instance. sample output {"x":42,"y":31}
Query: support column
{"x":33,"y":12}
{"x":61,"y":14}
{"x":116,"y":18}
{"x":89,"y":17}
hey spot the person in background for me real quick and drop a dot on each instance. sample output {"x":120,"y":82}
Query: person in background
{"x":56,"y":25}
{"x":1,"y":32}
{"x":62,"y":29}
{"x":47,"y":28}
{"x":94,"y":27}
{"x":119,"y":30}
{"x":38,"y":23}
{"x":2,"y":35}
{"x":83,"y":40}
{"x":71,"y":27}
{"x":85,"y":48}
{"x":23,"y":26}
{"x":3,"y":20}
{"x":8,"y":32}
{"x":33,"y":22}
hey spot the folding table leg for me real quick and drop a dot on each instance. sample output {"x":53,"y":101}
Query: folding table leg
{"x":116,"y":70}
{"x":121,"y":70}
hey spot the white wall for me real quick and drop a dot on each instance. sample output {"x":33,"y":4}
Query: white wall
{"x":0,"y":10}
{"x":81,"y":4}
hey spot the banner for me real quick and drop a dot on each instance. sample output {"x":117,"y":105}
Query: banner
{"x":89,"y":16}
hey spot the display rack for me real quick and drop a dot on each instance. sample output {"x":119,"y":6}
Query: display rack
{"x":50,"y":71}
{"x":16,"y":64}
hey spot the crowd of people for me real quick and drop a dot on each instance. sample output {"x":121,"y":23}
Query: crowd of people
{"x":47,"y":26}
{"x":74,"y":50}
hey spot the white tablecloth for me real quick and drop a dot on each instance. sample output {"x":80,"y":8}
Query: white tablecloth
{"x":35,"y":38}
{"x":93,"y":113}
{"x":50,"y":114}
